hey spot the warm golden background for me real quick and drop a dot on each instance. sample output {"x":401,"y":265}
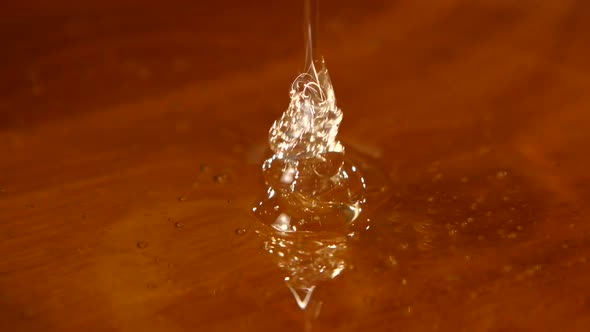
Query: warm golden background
{"x":118,"y":117}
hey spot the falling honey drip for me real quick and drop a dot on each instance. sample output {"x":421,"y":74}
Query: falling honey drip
{"x":310,"y":31}
{"x":315,"y":192}
{"x":312,"y":185}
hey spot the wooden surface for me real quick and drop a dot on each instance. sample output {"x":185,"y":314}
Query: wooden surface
{"x":132,"y":132}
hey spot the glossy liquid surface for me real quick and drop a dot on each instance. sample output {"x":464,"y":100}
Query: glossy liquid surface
{"x":131,"y":160}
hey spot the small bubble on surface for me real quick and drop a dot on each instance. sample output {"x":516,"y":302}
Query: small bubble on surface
{"x":391,"y":260}
{"x":203,"y":167}
{"x":353,"y":235}
{"x":221,"y":178}
{"x":453,"y":277}
{"x":142,"y":244}
{"x":178,"y":225}
{"x":501,"y":175}
{"x":217,"y":291}
{"x":483,"y":150}
{"x":240,"y":231}
{"x":181,"y":198}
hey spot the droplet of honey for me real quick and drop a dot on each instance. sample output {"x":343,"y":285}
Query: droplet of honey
{"x":221,"y":178}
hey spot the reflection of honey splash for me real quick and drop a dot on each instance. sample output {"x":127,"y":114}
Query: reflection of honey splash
{"x":307,"y":258}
